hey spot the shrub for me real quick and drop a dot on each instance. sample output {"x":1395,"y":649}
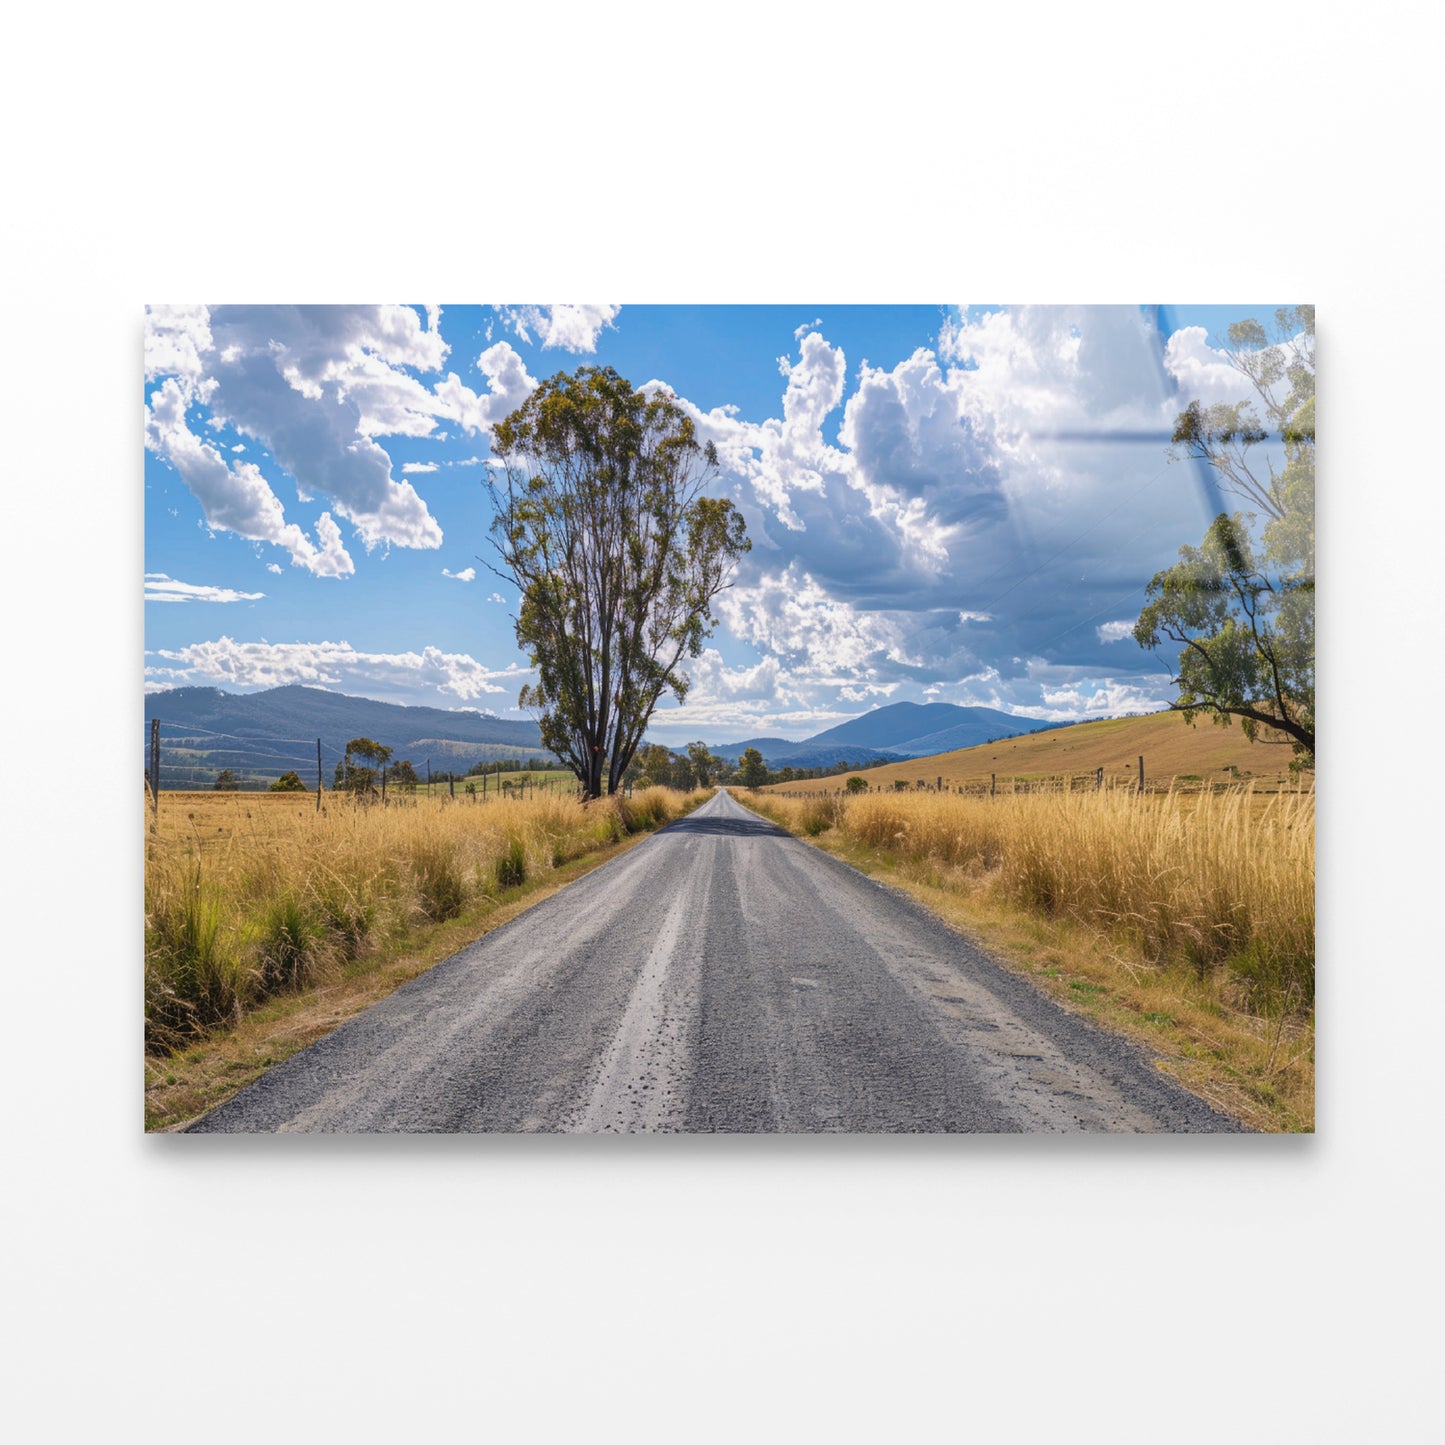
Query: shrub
{"x":511,"y":864}
{"x":819,"y":813}
{"x":194,"y":978}
{"x":439,"y":882}
{"x":289,"y":940}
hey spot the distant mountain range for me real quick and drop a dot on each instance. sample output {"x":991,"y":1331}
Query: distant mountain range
{"x":260,"y":735}
{"x":263,"y":734}
{"x":900,"y":730}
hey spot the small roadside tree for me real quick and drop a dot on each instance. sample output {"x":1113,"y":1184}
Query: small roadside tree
{"x":403,"y":775}
{"x":603,"y":523}
{"x":752,"y":771}
{"x":362,"y":764}
{"x":1241,"y":607}
{"x":225,"y":782}
{"x":288,"y":783}
{"x":857,"y":784}
{"x":705,"y":765}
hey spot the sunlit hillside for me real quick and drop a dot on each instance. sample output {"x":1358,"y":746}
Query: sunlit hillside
{"x":1171,"y":748}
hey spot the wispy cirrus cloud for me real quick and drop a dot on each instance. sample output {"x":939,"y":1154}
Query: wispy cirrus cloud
{"x":160,"y":588}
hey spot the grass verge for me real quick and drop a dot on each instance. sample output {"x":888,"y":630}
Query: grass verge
{"x":284,"y":967}
{"x":1238,"y":1036}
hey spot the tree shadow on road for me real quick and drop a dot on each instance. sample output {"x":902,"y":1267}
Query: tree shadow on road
{"x":727,"y":827}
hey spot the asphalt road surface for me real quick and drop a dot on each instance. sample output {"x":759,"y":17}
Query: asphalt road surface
{"x":721,"y":976}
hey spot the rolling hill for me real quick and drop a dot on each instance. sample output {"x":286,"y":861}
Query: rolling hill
{"x":910,"y":728}
{"x":261,"y":735}
{"x":783,"y":753}
{"x":900,"y":730}
{"x":1170,"y":748}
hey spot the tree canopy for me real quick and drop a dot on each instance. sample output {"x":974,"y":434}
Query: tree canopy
{"x":1241,"y":606}
{"x":752,"y":771}
{"x":603,"y":523}
{"x":361,"y":764}
{"x":705,"y":765}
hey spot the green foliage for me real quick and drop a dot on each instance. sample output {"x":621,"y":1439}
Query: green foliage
{"x":440,"y":882}
{"x":819,"y":813}
{"x":752,"y":773}
{"x":1241,"y":607}
{"x":288,"y":783}
{"x":856,"y":784}
{"x":511,"y":866}
{"x":361,"y":766}
{"x":289,"y":940}
{"x":194,"y":977}
{"x":705,"y":765}
{"x":403,"y":775}
{"x":603,"y":524}
{"x":225,"y":782}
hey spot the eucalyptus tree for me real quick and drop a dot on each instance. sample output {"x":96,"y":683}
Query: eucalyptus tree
{"x":1241,"y":606}
{"x":604,"y":523}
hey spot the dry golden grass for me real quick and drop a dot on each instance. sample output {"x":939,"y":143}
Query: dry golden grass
{"x":251,"y":896}
{"x":1188,"y":922}
{"x":1171,"y":749}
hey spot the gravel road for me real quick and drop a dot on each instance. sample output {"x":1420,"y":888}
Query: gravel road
{"x":721,"y":976}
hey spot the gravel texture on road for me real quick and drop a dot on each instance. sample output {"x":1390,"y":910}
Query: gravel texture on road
{"x":722,"y":976}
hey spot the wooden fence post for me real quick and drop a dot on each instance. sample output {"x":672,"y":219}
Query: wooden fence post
{"x":155,"y":773}
{"x":318,"y":775}
{"x":1099,"y":778}
{"x":992,"y":784}
{"x":1141,"y":772}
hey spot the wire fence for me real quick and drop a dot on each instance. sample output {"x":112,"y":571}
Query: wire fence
{"x":1134,"y":779}
{"x":184,"y":757}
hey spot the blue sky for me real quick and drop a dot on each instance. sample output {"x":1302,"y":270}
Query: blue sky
{"x":957,"y":504}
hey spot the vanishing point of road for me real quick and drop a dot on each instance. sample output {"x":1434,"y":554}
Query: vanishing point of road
{"x":721,"y":976}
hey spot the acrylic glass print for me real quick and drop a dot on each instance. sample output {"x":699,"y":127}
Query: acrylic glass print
{"x":729,"y":719}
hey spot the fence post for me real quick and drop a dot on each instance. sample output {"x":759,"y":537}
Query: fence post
{"x":1141,"y":772}
{"x":155,"y":773}
{"x":452,"y":784}
{"x":383,"y":787}
{"x":992,"y":784}
{"x":1099,"y":778}
{"x":428,"y":777}
{"x":939,"y":785}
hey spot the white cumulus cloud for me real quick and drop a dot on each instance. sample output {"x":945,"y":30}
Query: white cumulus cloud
{"x":236,"y":497}
{"x":334,"y":665}
{"x":467,"y":574}
{"x":316,"y":386}
{"x":572,"y":328}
